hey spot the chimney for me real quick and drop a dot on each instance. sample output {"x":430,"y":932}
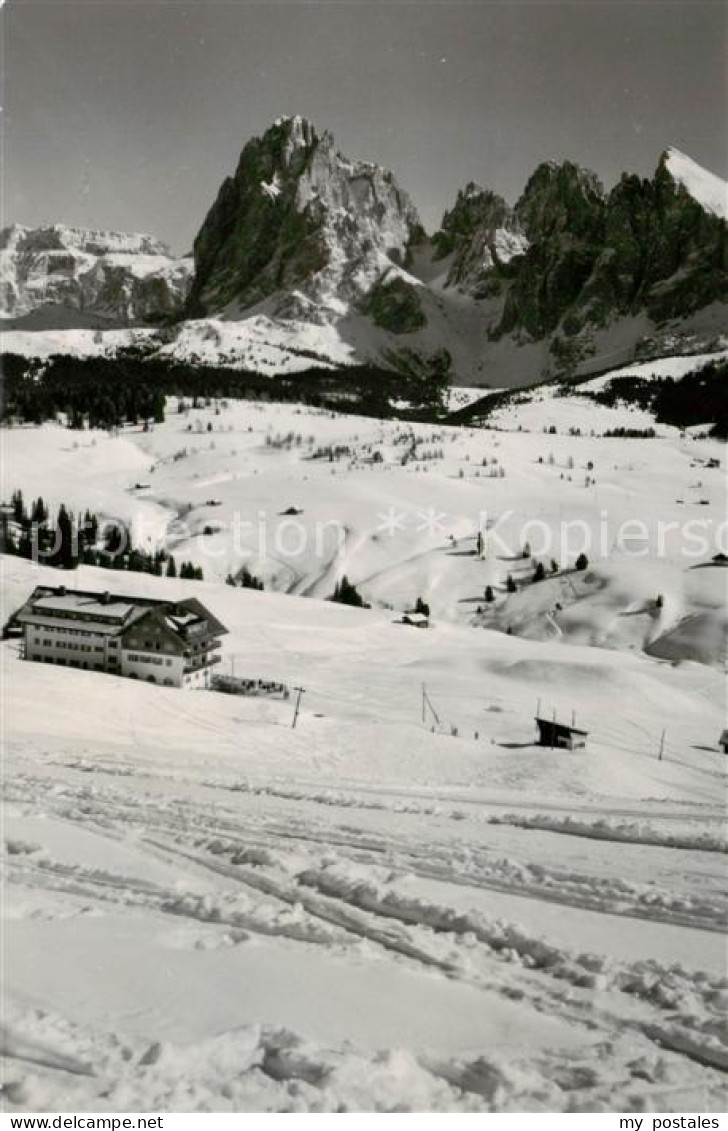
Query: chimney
{"x":105,"y":598}
{"x":61,"y":591}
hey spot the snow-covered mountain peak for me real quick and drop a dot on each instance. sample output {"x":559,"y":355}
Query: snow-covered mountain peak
{"x":62,"y":237}
{"x":117,"y":277}
{"x":709,"y":190}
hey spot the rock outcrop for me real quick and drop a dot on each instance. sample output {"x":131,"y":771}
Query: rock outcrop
{"x":303,"y":226}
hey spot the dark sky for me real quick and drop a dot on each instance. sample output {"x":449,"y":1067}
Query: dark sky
{"x":125,"y":114}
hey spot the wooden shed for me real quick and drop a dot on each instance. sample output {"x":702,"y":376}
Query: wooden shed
{"x":560,"y":735}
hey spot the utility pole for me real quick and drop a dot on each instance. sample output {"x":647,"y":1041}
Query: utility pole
{"x":300,"y":691}
{"x":426,"y":702}
{"x":662,"y":746}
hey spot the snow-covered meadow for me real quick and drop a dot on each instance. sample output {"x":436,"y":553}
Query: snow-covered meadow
{"x":208,"y":909}
{"x":301,"y":496}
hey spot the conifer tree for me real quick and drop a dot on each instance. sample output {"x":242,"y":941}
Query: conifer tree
{"x":66,"y":540}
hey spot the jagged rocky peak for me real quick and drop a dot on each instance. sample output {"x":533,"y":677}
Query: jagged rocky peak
{"x":652,"y":247}
{"x":115,"y":277}
{"x":667,"y":241}
{"x":474,"y":207}
{"x":298,"y":216}
{"x":481,"y":232}
{"x":560,"y":197}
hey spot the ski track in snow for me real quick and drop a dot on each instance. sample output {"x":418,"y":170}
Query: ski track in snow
{"x":328,"y":883}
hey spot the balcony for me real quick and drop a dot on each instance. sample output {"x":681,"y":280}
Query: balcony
{"x":198,"y":664}
{"x":202,"y":649}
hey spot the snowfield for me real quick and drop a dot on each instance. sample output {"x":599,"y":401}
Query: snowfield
{"x":301,"y":496}
{"x":206,"y":909}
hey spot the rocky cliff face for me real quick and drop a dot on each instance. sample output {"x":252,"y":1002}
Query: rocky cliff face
{"x":303,"y":226}
{"x":114,"y":277}
{"x":561,"y":211}
{"x":586,"y":259}
{"x":663,"y":250}
{"x":482,"y":234}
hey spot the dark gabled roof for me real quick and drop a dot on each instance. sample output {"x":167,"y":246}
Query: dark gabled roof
{"x":157,"y":616}
{"x":565,"y":727}
{"x":192,"y":605}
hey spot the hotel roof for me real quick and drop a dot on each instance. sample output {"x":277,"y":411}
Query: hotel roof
{"x":99,"y":628}
{"x":109,"y":613}
{"x":82,"y":603}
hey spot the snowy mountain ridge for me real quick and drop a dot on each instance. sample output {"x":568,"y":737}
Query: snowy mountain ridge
{"x":61,"y":237}
{"x":113,"y":277}
{"x":305,"y":245}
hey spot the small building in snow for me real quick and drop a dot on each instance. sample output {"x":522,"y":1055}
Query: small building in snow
{"x":417,"y":620}
{"x":560,"y":735}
